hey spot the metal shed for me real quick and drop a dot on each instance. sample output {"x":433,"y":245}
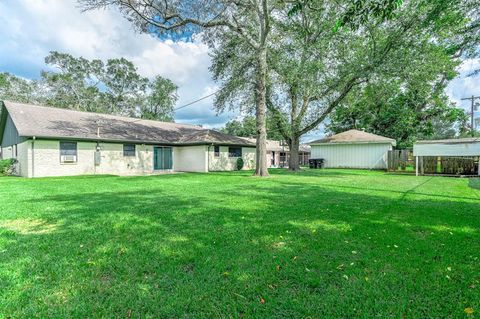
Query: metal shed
{"x":462,"y":149}
{"x":353,"y":149}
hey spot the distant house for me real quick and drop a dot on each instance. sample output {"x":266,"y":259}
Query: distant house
{"x":353,"y":149}
{"x":278,"y":153}
{"x":57,"y":142}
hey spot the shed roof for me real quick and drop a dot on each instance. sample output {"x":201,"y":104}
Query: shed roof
{"x":354,"y":137}
{"x":47,"y":122}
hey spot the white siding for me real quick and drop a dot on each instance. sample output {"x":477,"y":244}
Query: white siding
{"x":370,"y":156}
{"x":225,"y":163}
{"x":190,"y":158}
{"x":457,"y":149}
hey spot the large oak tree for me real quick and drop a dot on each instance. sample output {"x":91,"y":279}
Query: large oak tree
{"x":249,"y":20}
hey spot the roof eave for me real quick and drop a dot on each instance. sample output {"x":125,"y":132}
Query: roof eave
{"x":121,"y":141}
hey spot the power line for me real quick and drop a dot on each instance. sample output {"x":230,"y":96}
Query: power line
{"x":473,"y":108}
{"x":193,"y":102}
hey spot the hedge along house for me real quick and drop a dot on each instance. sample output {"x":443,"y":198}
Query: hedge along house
{"x":451,"y":157}
{"x":58,"y":142}
{"x":353,"y":149}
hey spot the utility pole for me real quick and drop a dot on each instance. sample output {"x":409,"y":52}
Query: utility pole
{"x":473,"y":108}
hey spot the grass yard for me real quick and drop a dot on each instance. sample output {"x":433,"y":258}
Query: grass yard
{"x":318,"y":244}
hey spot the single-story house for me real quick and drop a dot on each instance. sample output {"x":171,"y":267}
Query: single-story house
{"x":460,"y":148}
{"x":353,"y":149}
{"x":278,"y":153}
{"x":58,"y":142}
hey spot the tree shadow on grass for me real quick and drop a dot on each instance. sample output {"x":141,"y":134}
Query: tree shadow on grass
{"x":158,"y":252}
{"x":474,"y":183}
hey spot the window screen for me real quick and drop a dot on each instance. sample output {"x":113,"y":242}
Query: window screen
{"x":128,"y":149}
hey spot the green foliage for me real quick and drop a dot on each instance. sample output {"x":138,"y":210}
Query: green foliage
{"x":247,"y":128}
{"x":108,"y":246}
{"x":240,"y":163}
{"x":113,"y":87}
{"x":394,"y":66}
{"x":6,"y":166}
{"x":17,"y":89}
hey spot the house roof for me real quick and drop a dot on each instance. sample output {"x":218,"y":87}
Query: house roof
{"x":354,"y":137}
{"x":47,"y":122}
{"x":466,"y":140}
{"x":276,"y":146}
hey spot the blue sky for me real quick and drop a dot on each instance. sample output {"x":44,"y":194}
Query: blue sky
{"x":32,"y":28}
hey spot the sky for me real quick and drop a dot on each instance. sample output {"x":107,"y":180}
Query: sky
{"x":30,"y":29}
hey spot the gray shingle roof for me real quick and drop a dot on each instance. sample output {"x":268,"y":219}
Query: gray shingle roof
{"x":47,"y":122}
{"x":353,"y":136}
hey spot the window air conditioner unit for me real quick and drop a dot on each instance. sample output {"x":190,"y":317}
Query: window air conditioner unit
{"x":68,"y":158}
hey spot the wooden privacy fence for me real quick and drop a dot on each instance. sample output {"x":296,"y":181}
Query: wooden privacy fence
{"x":404,"y":161}
{"x":448,"y":165}
{"x":401,"y":160}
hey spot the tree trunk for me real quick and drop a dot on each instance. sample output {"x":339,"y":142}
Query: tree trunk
{"x":261,"y":168}
{"x":294,"y":145}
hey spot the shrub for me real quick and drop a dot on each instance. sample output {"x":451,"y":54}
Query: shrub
{"x":6,"y":166}
{"x":240,"y":163}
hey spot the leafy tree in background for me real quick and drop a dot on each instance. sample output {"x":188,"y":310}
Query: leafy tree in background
{"x":247,"y":128}
{"x":314,"y":67}
{"x":112,"y":87}
{"x":17,"y":89}
{"x":160,"y":102}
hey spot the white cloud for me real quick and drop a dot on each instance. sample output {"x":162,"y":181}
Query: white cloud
{"x":465,"y":86}
{"x":32,"y":28}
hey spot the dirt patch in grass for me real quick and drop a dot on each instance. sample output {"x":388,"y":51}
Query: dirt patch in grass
{"x":28,"y":226}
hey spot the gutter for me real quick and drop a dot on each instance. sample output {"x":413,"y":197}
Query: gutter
{"x":93,"y":140}
{"x":33,"y":156}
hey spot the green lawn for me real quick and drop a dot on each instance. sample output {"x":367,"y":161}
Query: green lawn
{"x":318,"y":244}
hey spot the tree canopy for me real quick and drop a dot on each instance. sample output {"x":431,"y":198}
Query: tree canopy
{"x":315,"y":67}
{"x":113,"y":87}
{"x":246,"y":127}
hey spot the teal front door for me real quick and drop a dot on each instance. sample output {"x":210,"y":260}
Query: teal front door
{"x":162,"y":158}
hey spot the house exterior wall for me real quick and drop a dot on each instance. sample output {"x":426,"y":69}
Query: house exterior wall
{"x":369,"y":156}
{"x":113,"y":162}
{"x":226,"y":163}
{"x":190,"y":158}
{"x":43,"y":160}
{"x":441,"y":149}
{"x":46,"y":159}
